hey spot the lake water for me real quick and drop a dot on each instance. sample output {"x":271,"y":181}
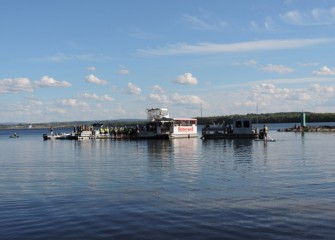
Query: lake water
{"x":168,"y":189}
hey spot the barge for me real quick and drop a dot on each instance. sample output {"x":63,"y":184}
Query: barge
{"x":241,"y":128}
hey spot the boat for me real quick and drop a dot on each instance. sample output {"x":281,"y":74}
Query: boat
{"x":14,"y":136}
{"x":241,"y":128}
{"x":69,"y":136}
{"x":159,"y":125}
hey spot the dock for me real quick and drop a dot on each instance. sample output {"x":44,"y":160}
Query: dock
{"x":309,"y":129}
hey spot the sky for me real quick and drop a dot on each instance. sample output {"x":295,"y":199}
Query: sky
{"x":84,"y":60}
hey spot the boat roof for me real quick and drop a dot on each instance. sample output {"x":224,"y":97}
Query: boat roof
{"x":184,"y":119}
{"x":178,"y":119}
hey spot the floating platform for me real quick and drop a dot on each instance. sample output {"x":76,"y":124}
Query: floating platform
{"x":241,"y":129}
{"x":309,"y":129}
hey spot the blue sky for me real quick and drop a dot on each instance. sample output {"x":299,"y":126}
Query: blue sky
{"x":90,"y":60}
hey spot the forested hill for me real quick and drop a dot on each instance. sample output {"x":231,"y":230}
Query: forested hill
{"x":282,"y":117}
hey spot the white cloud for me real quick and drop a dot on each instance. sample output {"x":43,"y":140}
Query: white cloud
{"x":14,"y":85}
{"x":250,"y":63}
{"x":204,"y":24}
{"x":247,"y":103}
{"x":322,"y":89}
{"x":47,"y":81}
{"x":157,"y":95}
{"x":325,"y":71}
{"x":120,"y":111}
{"x":276,"y":68}
{"x":268,"y":25}
{"x":186,"y":78}
{"x":186,"y":99}
{"x":253,"y":26}
{"x":293,"y":17}
{"x":91,"y":68}
{"x":161,"y":98}
{"x":72,"y":102}
{"x":267,"y":88}
{"x":56,"y":110}
{"x":211,"y":48}
{"x":34,"y":102}
{"x":140,"y":34}
{"x":272,"y":98}
{"x":316,"y":16}
{"x":301,"y":96}
{"x":123,"y":72}
{"x":95,"y":80}
{"x":308,"y":64}
{"x":133,"y":89}
{"x":157,"y":89}
{"x":103,"y":98}
{"x":61,"y":57}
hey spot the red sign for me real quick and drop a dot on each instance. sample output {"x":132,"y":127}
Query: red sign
{"x":185,"y":129}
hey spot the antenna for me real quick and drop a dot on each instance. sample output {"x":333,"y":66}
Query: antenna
{"x":257,"y":114}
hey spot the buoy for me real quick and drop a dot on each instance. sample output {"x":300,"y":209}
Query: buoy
{"x":303,"y":119}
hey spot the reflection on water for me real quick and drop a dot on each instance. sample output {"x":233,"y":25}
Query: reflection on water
{"x":160,"y":159}
{"x":239,"y":151}
{"x":180,"y":188}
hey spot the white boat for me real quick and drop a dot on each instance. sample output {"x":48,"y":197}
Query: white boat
{"x":69,"y":136}
{"x":161,"y":125}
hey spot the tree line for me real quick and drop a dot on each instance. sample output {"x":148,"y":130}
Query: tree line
{"x":281,"y":117}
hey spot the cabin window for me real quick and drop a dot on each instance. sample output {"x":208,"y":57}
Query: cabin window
{"x":193,"y":122}
{"x":164,"y":112}
{"x":184,"y":122}
{"x":238,"y":124}
{"x":246,"y":124}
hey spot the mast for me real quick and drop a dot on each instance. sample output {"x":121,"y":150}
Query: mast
{"x":257,"y":116}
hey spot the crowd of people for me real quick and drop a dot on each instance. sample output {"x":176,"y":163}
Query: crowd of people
{"x":109,"y":130}
{"x":118,"y":130}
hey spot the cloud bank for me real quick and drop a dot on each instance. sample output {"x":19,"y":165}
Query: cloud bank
{"x":212,"y":48}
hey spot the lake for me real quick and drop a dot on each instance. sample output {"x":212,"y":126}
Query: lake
{"x":167,"y":189}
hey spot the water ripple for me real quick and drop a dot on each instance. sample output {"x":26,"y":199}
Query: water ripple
{"x":178,"y":189}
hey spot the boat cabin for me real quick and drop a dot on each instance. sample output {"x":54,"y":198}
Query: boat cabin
{"x":242,"y":126}
{"x":154,"y":114}
{"x":162,"y":124}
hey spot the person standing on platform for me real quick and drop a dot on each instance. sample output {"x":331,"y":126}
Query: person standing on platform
{"x":265,"y":129}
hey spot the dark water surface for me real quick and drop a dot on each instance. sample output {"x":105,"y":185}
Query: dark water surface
{"x":169,"y":189}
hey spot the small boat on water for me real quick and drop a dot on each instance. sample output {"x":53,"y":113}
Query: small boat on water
{"x":159,"y":125}
{"x":241,"y":128}
{"x":69,"y":136}
{"x":14,"y":136}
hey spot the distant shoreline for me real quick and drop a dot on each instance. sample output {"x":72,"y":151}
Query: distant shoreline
{"x":288,"y":117}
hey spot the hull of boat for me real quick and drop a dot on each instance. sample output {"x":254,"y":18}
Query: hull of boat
{"x":143,"y":135}
{"x":60,"y":137}
{"x":190,"y":135}
{"x":229,"y":136}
